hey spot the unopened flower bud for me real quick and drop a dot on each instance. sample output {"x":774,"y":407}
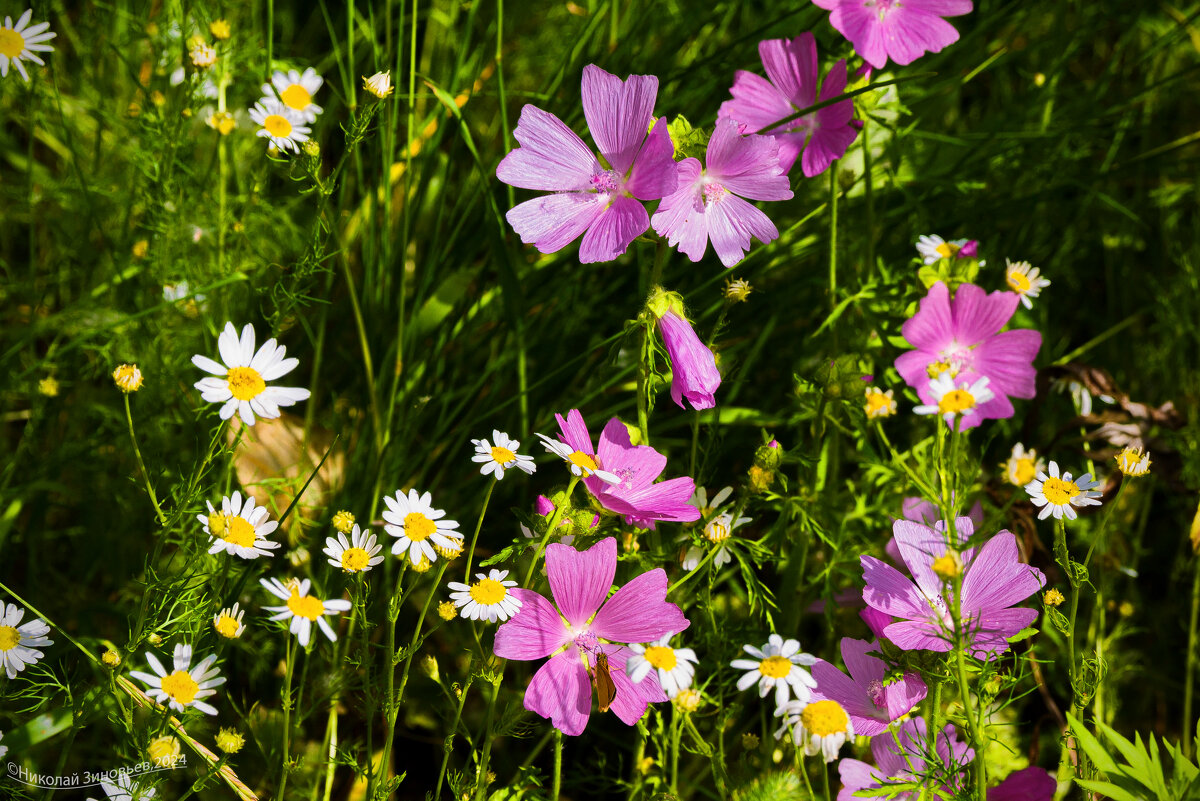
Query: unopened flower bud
{"x":750,"y":741}
{"x":379,"y":84}
{"x":128,"y":378}
{"x":343,"y":521}
{"x":447,"y":610}
{"x":1053,"y":597}
{"x":111,"y":658}
{"x":230,"y":741}
{"x":429,"y":666}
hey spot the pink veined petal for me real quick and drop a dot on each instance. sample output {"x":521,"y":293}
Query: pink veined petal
{"x":618,"y":113}
{"x":989,"y":634}
{"x":910,"y":33}
{"x":611,"y":233}
{"x":978,"y":315}
{"x":863,"y":669}
{"x":833,"y":86}
{"x":551,"y":156}
{"x":666,"y":500}
{"x":639,"y":612}
{"x":680,"y":215}
{"x":732,"y":222}
{"x":562,"y":692}
{"x":942,"y":8}
{"x":693,"y":365}
{"x":1007,"y":360}
{"x":631,"y":699}
{"x":792,"y":67}
{"x":855,"y":774}
{"x":826,"y":146}
{"x":998,"y":408}
{"x":1030,"y":784}
{"x":790,"y":146}
{"x":876,"y":621}
{"x":901,"y":696}
{"x":919,"y":546}
{"x":917,"y":635}
{"x":889,"y":591}
{"x":575,"y":433}
{"x":912,"y":366}
{"x":756,"y":102}
{"x":654,"y":172}
{"x":859,"y":25}
{"x":932,"y":327}
{"x":997,"y":579}
{"x":637,"y":466}
{"x":746,"y":165}
{"x":551,"y":222}
{"x":580,"y":580}
{"x":835,"y":685}
{"x":533,"y":632}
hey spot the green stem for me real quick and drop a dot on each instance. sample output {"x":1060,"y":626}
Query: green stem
{"x":868,"y":191}
{"x":1191,"y":661}
{"x":675,"y":734}
{"x":833,"y":221}
{"x":287,"y":716}
{"x":556,"y":787}
{"x":390,"y":706}
{"x":478,"y":525}
{"x":551,"y":527}
{"x":972,"y":724}
{"x":825,"y":778}
{"x":162,"y":519}
{"x":448,"y":744}
{"x":643,"y":386}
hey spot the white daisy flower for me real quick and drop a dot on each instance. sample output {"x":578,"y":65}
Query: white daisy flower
{"x":1133,"y":462}
{"x":1057,"y":494}
{"x":961,"y":401}
{"x":487,"y":599}
{"x":821,"y":727}
{"x":20,"y":41}
{"x":239,"y":529}
{"x":777,"y":665}
{"x":203,"y":55}
{"x":228,"y":622}
{"x":280,"y":124}
{"x":303,"y":609}
{"x":356,"y":555}
{"x":419,"y":526}
{"x":675,"y":666}
{"x":582,"y":464}
{"x":1025,"y":281}
{"x":933,"y":248}
{"x":19,"y":642}
{"x":296,"y":91}
{"x":717,"y":531}
{"x":184,"y":686}
{"x":708,"y":508}
{"x":880,"y":403}
{"x":501,"y":456}
{"x":379,"y":84}
{"x":242,"y":385}
{"x":1022,"y":466}
{"x":124,"y":788}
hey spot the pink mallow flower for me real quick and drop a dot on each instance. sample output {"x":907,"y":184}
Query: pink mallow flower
{"x":893,"y":766}
{"x":708,"y":202}
{"x":636,"y":496}
{"x":694,"y":373}
{"x":589,"y":198}
{"x":963,"y":337}
{"x":1030,"y":784}
{"x":790,"y":86}
{"x":871,"y":704}
{"x":902,"y":30}
{"x":993,"y":580}
{"x":582,"y":623}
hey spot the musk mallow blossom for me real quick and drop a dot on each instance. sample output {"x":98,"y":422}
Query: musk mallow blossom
{"x":790,"y":86}
{"x":635,"y":495}
{"x":894,"y":765}
{"x":902,"y":30}
{"x":708,"y":202}
{"x":962,"y":338}
{"x":993,"y":580}
{"x":598,"y":199}
{"x":582,"y":624}
{"x":1030,"y":784}
{"x":694,"y":373}
{"x":871,"y":703}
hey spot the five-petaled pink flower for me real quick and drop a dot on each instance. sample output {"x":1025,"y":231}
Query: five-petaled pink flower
{"x":708,"y":203}
{"x":871,"y":704}
{"x":790,"y":86}
{"x":694,"y":373}
{"x":636,"y":496}
{"x":588,"y":196}
{"x":585,"y":624}
{"x":902,"y":30}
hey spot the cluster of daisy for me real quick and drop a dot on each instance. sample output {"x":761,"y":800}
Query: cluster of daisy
{"x":21,"y":42}
{"x":286,"y":108}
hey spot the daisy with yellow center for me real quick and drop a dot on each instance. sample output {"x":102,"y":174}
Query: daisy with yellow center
{"x":1058,"y":494}
{"x":239,"y":529}
{"x":357,"y":555}
{"x":203,"y":55}
{"x":296,"y":91}
{"x":1022,"y":466}
{"x":124,"y":788}
{"x":19,"y":642}
{"x":778,"y":665}
{"x":933,"y":248}
{"x":302,"y":609}
{"x":282,"y":126}
{"x":128,"y":378}
{"x":184,"y":686}
{"x":675,"y":666}
{"x":240,"y":384}
{"x":955,"y":404}
{"x":228,"y":622}
{"x":222,"y":122}
{"x":487,"y":599}
{"x":718,"y":532}
{"x":418,"y":527}
{"x":23,"y":41}
{"x":500,"y":455}
{"x":1133,"y":462}
{"x":581,"y":464}
{"x":1026,"y":281}
{"x":880,"y":403}
{"x":379,"y":84}
{"x":820,"y":726}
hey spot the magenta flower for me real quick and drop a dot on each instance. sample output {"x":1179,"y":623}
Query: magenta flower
{"x":582,"y":623}
{"x":901,"y":31}
{"x":694,"y":373}
{"x":892,"y":764}
{"x":1031,"y":784}
{"x":588,"y":197}
{"x":920,"y":510}
{"x":871,"y":705}
{"x":963,"y":337}
{"x":708,"y":202}
{"x":994,"y":579}
{"x":636,"y":497}
{"x":790,"y":86}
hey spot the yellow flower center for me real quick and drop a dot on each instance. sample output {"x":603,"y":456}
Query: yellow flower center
{"x":418,"y":527}
{"x":181,"y":687}
{"x":1023,"y":472}
{"x":240,"y":532}
{"x":716,"y":531}
{"x":9,"y":637}
{"x":12,"y":44}
{"x":956,"y":401}
{"x":947,"y":249}
{"x":1019,"y":281}
{"x":934,"y":369}
{"x":216,"y":524}
{"x":776,"y":667}
{"x":305,"y":606}
{"x":278,"y":126}
{"x":343,"y":521}
{"x":661,"y":657}
{"x":581,"y":459}
{"x":1059,"y":492}
{"x":355,"y":559}
{"x":245,"y":382}
{"x":823,"y":718}
{"x":227,"y":626}
{"x":296,"y":96}
{"x":488,"y":592}
{"x":502,"y":456}
{"x":947,"y":566}
{"x":878,"y":404}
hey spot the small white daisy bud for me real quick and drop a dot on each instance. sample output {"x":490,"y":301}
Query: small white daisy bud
{"x":379,"y":84}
